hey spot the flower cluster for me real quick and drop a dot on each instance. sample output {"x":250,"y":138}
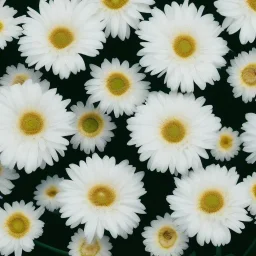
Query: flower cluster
{"x":173,"y":131}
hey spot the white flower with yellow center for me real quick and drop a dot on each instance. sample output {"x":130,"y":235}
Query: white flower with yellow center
{"x":58,"y":36}
{"x":189,"y":50}
{"x":209,"y":203}
{"x":93,"y":128}
{"x":242,"y":75}
{"x":249,"y":186}
{"x":227,"y":144}
{"x":46,"y":193}
{"x":117,"y":87}
{"x":239,"y":15}
{"x":103,"y":195}
{"x":20,"y":74}
{"x":19,"y":226}
{"x":9,"y":26}
{"x":79,"y":246}
{"x":164,"y":237}
{"x":249,"y":137}
{"x":33,"y":126}
{"x":120,"y":15}
{"x":6,"y":176}
{"x":173,"y":131}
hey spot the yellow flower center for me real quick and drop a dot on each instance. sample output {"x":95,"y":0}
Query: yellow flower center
{"x":249,"y":75}
{"x":1,"y":169}
{"x":91,"y":124}
{"x":18,"y":225}
{"x":31,"y":123}
{"x":89,"y":249}
{"x":184,"y":46}
{"x":52,"y":191}
{"x":1,"y":26}
{"x":167,"y":237}
{"x":173,"y":131}
{"x":61,"y":37}
{"x":211,"y":201}
{"x":102,"y":195}
{"x":254,"y":190}
{"x":118,"y":84}
{"x":252,"y":4}
{"x":226,"y":142}
{"x":115,"y":4}
{"x":20,"y":79}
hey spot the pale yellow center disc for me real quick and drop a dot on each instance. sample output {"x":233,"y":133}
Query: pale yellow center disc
{"x":252,"y":4}
{"x":226,"y":142}
{"x":249,"y":75}
{"x":20,"y":79}
{"x":211,"y":201}
{"x":18,"y":225}
{"x":89,"y":249}
{"x":118,"y":84}
{"x":173,"y":131}
{"x":61,"y":37}
{"x":102,"y":195}
{"x":254,"y":190}
{"x":184,"y":46}
{"x":52,"y":191}
{"x":31,"y":123}
{"x":1,"y":26}
{"x":167,"y":237}
{"x":115,"y":4}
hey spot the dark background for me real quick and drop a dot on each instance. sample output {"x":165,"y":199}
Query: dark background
{"x":231,"y":111}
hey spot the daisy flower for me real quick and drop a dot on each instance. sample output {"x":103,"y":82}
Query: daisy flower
{"x":46,"y":193}
{"x":242,"y":75}
{"x":227,"y":144}
{"x":33,"y":126}
{"x":20,"y":74}
{"x":9,"y":26}
{"x":19,"y":226}
{"x":184,"y":44}
{"x":209,"y":203}
{"x":6,"y":177}
{"x":164,"y":237}
{"x":173,"y":131}
{"x":249,"y":185}
{"x":117,"y":87}
{"x":249,"y":137}
{"x":79,"y":246}
{"x":239,"y":15}
{"x":120,"y":15}
{"x":58,"y":36}
{"x":103,"y":195}
{"x":93,"y":128}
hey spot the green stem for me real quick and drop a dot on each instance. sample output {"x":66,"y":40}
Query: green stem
{"x":48,"y":247}
{"x":193,"y":254}
{"x":218,"y":251}
{"x":250,"y":248}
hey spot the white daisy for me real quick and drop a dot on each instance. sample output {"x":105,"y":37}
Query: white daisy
{"x":93,"y":128}
{"x":19,"y":226}
{"x":117,"y":87}
{"x":164,"y":237}
{"x":58,"y":36}
{"x":173,"y":131}
{"x":80,"y":247}
{"x":103,"y":195}
{"x":33,"y":126}
{"x":249,"y":137}
{"x":242,"y":75}
{"x":20,"y":74}
{"x":249,"y":185}
{"x":6,"y":176}
{"x":9,"y":26}
{"x":46,"y":193}
{"x":227,"y":144}
{"x":208,"y":203}
{"x":119,"y":15}
{"x":184,"y":44}
{"x":240,"y":15}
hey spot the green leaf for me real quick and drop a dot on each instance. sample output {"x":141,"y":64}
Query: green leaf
{"x":250,"y":248}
